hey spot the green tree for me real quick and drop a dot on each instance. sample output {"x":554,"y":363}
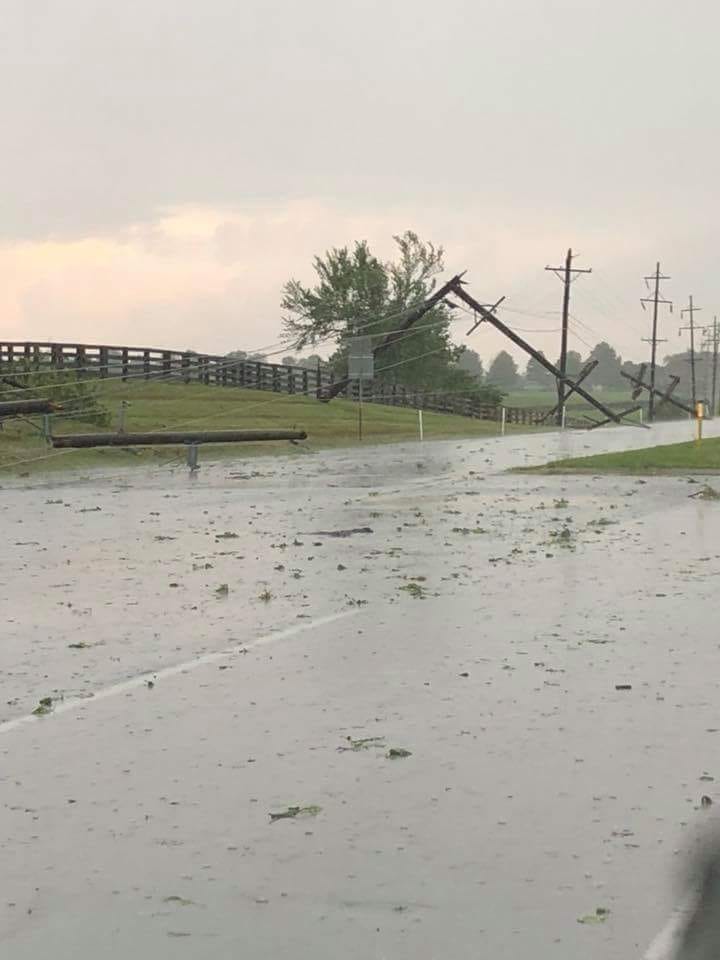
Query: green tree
{"x":503,"y":371}
{"x":537,"y":376}
{"x":470,"y":362}
{"x":607,"y":372}
{"x":573,"y":364}
{"x":357,"y":294}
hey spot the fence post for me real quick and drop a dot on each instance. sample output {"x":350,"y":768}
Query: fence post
{"x":146,"y":364}
{"x":125,"y":363}
{"x":503,"y":417}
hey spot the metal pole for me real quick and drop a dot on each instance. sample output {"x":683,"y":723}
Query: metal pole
{"x":563,"y":416}
{"x":360,"y":409}
{"x":503,"y":420}
{"x":420,"y":425}
{"x":192,"y":457}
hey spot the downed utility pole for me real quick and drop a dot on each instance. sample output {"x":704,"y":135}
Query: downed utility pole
{"x":625,"y":413}
{"x":692,"y":310}
{"x":665,"y":396}
{"x":566,"y":274}
{"x":412,"y":317}
{"x":655,"y":300}
{"x":153,"y":439}
{"x":524,"y":345}
{"x":582,"y":375}
{"x":12,"y":408}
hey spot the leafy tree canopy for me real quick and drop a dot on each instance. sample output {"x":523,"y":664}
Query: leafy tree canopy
{"x":357,"y":294}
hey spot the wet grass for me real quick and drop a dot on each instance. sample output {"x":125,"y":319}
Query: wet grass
{"x":165,"y":406}
{"x":689,"y":457}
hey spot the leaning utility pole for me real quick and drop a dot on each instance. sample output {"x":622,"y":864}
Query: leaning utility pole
{"x":566,"y":274}
{"x":656,"y":299}
{"x":692,"y":310}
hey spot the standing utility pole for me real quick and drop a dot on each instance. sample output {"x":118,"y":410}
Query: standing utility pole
{"x":710,"y":342}
{"x":654,"y":300}
{"x":566,"y":274}
{"x":715,"y":341}
{"x":692,"y":310}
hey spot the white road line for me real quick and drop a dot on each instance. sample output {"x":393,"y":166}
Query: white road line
{"x":665,"y":943}
{"x":140,"y":680}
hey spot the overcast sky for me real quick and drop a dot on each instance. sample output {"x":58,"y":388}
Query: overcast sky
{"x":169,"y":164}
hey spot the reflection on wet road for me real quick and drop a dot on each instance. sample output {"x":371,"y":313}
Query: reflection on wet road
{"x":484,"y":704}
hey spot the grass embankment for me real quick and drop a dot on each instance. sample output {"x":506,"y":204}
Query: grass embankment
{"x":690,"y":457}
{"x":172,"y":406}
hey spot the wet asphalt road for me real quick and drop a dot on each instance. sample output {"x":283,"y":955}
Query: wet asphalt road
{"x":483,"y":624}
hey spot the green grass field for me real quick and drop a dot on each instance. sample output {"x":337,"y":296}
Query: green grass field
{"x":163,"y":406}
{"x":690,"y":457}
{"x":548,"y":398}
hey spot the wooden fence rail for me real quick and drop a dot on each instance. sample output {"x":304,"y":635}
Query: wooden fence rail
{"x":144,"y":363}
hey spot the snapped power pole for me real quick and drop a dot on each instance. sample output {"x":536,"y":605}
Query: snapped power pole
{"x":655,"y":300}
{"x":691,"y":310}
{"x":566,"y":275}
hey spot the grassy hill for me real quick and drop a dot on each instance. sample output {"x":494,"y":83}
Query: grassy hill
{"x":164,"y":406}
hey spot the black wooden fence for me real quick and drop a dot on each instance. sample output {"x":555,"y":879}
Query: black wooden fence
{"x":144,"y":363}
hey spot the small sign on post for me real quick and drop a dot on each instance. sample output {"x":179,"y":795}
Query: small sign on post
{"x":361,"y":366}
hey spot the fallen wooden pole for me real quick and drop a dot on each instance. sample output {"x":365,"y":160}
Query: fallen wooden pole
{"x":11,"y":408}
{"x":664,"y":396}
{"x":622,"y":415}
{"x":585,"y":372}
{"x":154,"y":439}
{"x":524,"y":345}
